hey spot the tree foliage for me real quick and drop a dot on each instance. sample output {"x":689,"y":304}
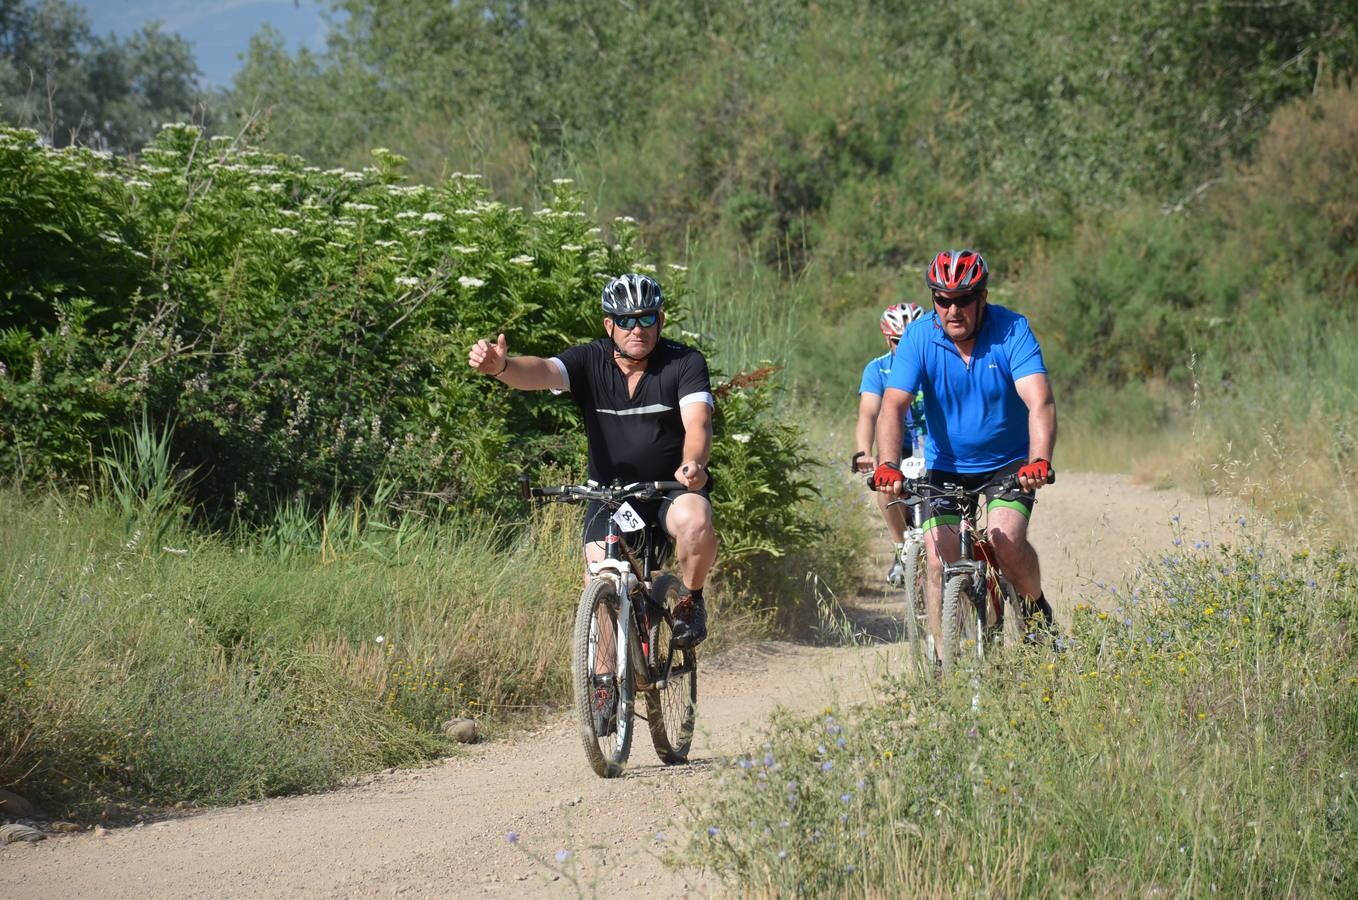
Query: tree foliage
{"x":75,"y":86}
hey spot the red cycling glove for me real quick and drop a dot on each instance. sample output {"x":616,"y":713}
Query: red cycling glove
{"x":1038,"y":469}
{"x":887,"y":474}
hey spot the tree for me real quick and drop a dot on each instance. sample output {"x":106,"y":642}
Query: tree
{"x":73,"y":86}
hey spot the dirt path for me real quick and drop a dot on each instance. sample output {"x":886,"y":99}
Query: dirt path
{"x":440,"y":831}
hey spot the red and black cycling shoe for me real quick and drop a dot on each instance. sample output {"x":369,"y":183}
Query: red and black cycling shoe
{"x":605,"y":705}
{"x":690,"y":621}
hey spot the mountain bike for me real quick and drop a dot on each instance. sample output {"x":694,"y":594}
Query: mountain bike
{"x":623,"y":634}
{"x":978,"y":600}
{"x":915,"y":568}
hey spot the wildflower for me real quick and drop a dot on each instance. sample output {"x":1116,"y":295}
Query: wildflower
{"x":562,"y":855}
{"x":463,"y":248}
{"x":407,"y":281}
{"x":432,"y":217}
{"x":283,"y":232}
{"x":768,"y":760}
{"x":713,"y":831}
{"x":572,"y":248}
{"x":678,"y":268}
{"x":563,"y":181}
{"x":379,"y":639}
{"x":782,"y":854}
{"x":845,"y":798}
{"x":469,"y":282}
{"x":512,"y":837}
{"x":522,"y":260}
{"x":741,"y":438}
{"x":827,"y":765}
{"x":1208,"y":610}
{"x":407,"y":214}
{"x":660,"y":836}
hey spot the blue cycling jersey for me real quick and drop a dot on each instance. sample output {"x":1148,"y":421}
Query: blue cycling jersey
{"x":977,"y":421}
{"x":875,"y":375}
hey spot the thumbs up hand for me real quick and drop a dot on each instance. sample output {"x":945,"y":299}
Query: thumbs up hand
{"x":488,"y":358}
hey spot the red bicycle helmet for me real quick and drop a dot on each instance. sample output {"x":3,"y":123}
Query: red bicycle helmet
{"x":957,"y":270}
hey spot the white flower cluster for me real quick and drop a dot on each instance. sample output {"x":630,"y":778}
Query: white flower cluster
{"x":469,"y":282}
{"x":407,"y":281}
{"x":522,"y":260}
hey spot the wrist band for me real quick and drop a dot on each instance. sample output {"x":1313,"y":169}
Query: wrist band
{"x":502,"y":371}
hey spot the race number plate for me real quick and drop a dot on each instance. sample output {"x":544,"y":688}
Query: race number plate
{"x":913,"y":467}
{"x":627,"y":518}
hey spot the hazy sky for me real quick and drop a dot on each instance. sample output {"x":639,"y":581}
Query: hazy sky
{"x":219,"y":30}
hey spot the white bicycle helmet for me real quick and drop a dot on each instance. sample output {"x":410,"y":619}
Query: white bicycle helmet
{"x":897,"y":317}
{"x":632,"y":294}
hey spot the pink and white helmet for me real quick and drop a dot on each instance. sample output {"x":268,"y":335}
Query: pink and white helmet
{"x":897,"y":317}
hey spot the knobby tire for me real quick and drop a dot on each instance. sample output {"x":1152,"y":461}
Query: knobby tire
{"x":607,"y":755}
{"x":670,"y":710}
{"x":916,"y":624}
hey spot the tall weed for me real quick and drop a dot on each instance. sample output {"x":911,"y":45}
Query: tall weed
{"x":1195,"y":737}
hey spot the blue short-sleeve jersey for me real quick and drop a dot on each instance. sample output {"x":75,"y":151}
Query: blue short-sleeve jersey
{"x":875,"y":375}
{"x":977,"y":421}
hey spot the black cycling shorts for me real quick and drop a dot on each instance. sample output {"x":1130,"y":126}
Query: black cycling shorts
{"x":653,"y":512}
{"x":947,"y":511}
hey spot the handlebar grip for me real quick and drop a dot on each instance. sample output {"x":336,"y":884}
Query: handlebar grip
{"x":670,"y":486}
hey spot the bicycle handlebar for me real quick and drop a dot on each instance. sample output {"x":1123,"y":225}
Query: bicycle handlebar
{"x":574,"y":493}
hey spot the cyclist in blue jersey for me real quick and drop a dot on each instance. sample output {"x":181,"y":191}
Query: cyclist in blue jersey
{"x":991,"y":413}
{"x":895,"y":319}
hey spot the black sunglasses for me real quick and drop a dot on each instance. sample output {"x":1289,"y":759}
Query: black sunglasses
{"x":627,"y":323}
{"x":961,"y":302}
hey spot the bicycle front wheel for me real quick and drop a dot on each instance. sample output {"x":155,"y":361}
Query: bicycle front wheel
{"x":672,"y":701}
{"x":601,"y":674}
{"x":915,"y":621}
{"x":962,"y":627}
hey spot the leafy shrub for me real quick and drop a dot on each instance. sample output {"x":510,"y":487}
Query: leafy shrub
{"x":305,"y":331}
{"x":1197,"y":734}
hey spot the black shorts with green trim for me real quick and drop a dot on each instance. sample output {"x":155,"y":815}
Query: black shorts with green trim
{"x":947,"y":511}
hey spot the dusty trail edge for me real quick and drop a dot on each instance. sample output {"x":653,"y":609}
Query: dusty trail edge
{"x":440,"y":831}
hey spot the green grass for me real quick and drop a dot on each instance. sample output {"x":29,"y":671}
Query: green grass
{"x":216,"y":671}
{"x":1198,"y":738}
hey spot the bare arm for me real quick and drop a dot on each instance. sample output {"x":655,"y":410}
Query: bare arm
{"x":524,"y":373}
{"x":1036,"y":393}
{"x":869,"y":405}
{"x":697,"y":419}
{"x":889,"y":431}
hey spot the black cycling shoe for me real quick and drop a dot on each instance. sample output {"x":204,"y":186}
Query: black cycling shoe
{"x":1040,"y":624}
{"x":690,"y":621}
{"x":605,"y":705}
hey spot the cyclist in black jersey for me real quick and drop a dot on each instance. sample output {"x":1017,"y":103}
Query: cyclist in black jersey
{"x":647,"y":405}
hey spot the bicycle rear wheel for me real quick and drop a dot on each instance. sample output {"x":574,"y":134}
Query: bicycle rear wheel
{"x":597,"y":665}
{"x":672,"y":700}
{"x":1015,"y":623}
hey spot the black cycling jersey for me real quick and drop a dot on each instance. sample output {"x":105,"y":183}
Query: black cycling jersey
{"x":641,"y":437}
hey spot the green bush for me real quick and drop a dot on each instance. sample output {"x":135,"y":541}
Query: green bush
{"x":1196,"y":736}
{"x":305,"y":331}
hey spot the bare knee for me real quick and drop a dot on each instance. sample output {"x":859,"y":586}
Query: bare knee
{"x":690,"y":524}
